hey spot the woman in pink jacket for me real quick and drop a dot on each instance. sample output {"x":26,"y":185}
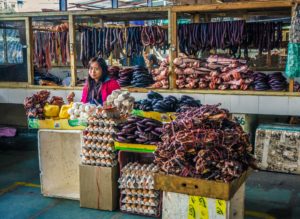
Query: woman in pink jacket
{"x":98,"y":85}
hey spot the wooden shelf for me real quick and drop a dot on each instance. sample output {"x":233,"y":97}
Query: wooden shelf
{"x":252,"y":5}
{"x":171,"y":13}
{"x":216,"y":92}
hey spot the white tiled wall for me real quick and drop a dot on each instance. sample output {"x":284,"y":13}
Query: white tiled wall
{"x":276,"y":105}
{"x":268,"y":105}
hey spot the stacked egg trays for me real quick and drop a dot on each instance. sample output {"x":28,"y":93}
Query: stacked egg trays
{"x":137,"y":190}
{"x":98,"y":141}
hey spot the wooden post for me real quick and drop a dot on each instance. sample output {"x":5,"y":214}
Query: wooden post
{"x":126,"y":24}
{"x":72,"y":35}
{"x":269,"y":59}
{"x":292,"y":81}
{"x":29,"y":42}
{"x":196,"y":18}
{"x":172,"y":27}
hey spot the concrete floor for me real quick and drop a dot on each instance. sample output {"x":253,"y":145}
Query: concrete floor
{"x":268,"y":195}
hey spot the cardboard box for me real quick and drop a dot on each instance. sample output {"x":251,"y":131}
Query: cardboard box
{"x":277,"y":148}
{"x":199,"y":187}
{"x":177,"y":206}
{"x":59,"y":157}
{"x":99,"y":187}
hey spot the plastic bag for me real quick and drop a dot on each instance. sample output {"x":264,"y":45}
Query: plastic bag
{"x":293,"y":62}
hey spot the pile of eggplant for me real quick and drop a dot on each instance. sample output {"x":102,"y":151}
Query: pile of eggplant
{"x":156,"y":102}
{"x":125,"y":77}
{"x":260,"y":82}
{"x":141,"y":77}
{"x":139,"y":130}
{"x":113,"y":72}
{"x":275,"y":81}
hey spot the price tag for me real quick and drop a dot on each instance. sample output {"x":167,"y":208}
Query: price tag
{"x":221,"y":207}
{"x":198,"y":208}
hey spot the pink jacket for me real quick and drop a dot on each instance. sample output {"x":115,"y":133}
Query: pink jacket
{"x":106,"y":89}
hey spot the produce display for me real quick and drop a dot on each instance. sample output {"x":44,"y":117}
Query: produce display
{"x":137,"y":189}
{"x":98,"y":142}
{"x":213,"y":73}
{"x":125,"y":77}
{"x":275,"y":81}
{"x":81,"y":111}
{"x":160,"y":75}
{"x":156,"y":102}
{"x":51,"y":46}
{"x":34,"y":105}
{"x":224,"y":73}
{"x":141,"y":77}
{"x":204,"y":143}
{"x":139,"y":130}
{"x":229,"y":34}
{"x":122,"y":100}
{"x":39,"y":106}
{"x":113,"y":72}
{"x":99,"y":42}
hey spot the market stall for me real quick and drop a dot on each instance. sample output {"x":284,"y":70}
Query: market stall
{"x":155,"y":147}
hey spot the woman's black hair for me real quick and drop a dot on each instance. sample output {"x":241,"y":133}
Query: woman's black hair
{"x":101,"y":62}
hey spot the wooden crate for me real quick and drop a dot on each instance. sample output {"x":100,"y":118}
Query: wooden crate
{"x":59,"y":157}
{"x":99,"y":187}
{"x":199,"y":187}
{"x":178,"y":206}
{"x":277,"y":148}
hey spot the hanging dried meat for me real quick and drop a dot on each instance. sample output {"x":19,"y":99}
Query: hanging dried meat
{"x":99,"y":42}
{"x":51,"y":47}
{"x":232,"y":35}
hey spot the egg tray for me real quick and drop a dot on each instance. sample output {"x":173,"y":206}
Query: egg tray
{"x":141,"y":193}
{"x":135,"y":184}
{"x":156,"y":214}
{"x":100,"y":139}
{"x":104,"y":122}
{"x":100,"y":164}
{"x":127,"y":199}
{"x":99,"y":148}
{"x":103,"y":131}
{"x":96,"y":155}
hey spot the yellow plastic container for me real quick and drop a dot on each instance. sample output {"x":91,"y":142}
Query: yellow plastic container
{"x":51,"y":110}
{"x":63,"y":114}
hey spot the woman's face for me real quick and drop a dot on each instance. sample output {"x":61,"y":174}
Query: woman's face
{"x":95,"y":71}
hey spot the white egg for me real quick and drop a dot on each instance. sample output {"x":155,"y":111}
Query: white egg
{"x":76,"y":105}
{"x":76,"y":112}
{"x":81,"y":108}
{"x":72,"y":117}
{"x":87,"y":108}
{"x":85,"y":116}
{"x":71,"y":111}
